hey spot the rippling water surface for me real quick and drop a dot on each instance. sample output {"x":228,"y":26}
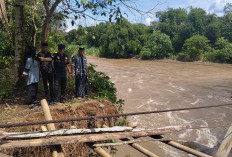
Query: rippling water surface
{"x":156,"y":85}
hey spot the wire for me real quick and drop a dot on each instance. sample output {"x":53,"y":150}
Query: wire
{"x":106,"y":116}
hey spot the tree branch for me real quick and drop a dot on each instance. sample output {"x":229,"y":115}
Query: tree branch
{"x":45,"y":3}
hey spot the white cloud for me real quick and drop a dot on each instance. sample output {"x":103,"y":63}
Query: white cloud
{"x":217,"y":6}
{"x":149,"y":20}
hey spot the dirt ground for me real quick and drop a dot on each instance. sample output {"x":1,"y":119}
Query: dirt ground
{"x":18,"y":112}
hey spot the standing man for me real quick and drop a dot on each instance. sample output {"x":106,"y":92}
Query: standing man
{"x":60,"y":64}
{"x":46,"y":69}
{"x":79,"y":63}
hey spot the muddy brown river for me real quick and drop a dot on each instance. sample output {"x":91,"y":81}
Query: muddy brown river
{"x":157,"y":85}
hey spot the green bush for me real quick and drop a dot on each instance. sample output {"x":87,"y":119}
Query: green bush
{"x":6,"y":84}
{"x":145,"y":53}
{"x":158,"y":46}
{"x":183,"y":57}
{"x":6,"y":61}
{"x":100,"y":85}
{"x":92,"y":51}
{"x":195,"y":47}
{"x":222,"y":53}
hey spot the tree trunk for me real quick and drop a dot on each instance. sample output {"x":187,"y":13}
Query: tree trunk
{"x":45,"y":30}
{"x":19,"y":40}
{"x":49,"y":13}
{"x":4,"y":19}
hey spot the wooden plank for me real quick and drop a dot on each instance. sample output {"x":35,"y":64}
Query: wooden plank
{"x":57,"y":140}
{"x":226,"y":144}
{"x":37,"y":134}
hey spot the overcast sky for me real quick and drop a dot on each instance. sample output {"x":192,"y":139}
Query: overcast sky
{"x":211,"y":6}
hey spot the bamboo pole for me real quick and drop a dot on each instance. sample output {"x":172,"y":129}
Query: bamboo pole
{"x":186,"y":149}
{"x":47,"y":114}
{"x":143,"y":150}
{"x":24,"y":135}
{"x":226,"y":144}
{"x":126,"y":142}
{"x":54,"y":152}
{"x":102,"y":152}
{"x":57,"y":140}
{"x":58,"y":149}
{"x":140,"y":148}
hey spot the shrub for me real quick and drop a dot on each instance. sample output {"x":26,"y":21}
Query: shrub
{"x":195,"y":47}
{"x":6,"y":84}
{"x":222,"y":53}
{"x":6,"y":61}
{"x":100,"y":85}
{"x":183,"y":57}
{"x":145,"y":53}
{"x":158,"y":46}
{"x":92,"y":51}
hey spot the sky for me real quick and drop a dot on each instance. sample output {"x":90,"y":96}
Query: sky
{"x":211,"y":6}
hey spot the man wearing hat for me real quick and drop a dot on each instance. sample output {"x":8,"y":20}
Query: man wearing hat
{"x":60,"y":74}
{"x":79,"y":63}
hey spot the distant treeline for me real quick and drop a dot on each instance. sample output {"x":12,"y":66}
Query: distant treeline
{"x":183,"y":34}
{"x":179,"y":34}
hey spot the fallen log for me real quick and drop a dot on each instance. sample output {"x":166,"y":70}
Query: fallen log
{"x":57,"y":140}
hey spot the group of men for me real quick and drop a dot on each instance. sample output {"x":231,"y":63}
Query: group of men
{"x":56,"y":68}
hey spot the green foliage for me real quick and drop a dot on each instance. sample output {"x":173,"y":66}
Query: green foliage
{"x":92,"y":51}
{"x":183,"y":57}
{"x":145,"y":53}
{"x":158,"y":46}
{"x":100,"y":85}
{"x":6,"y":83}
{"x":222,"y":52}
{"x":6,"y":61}
{"x":195,"y":47}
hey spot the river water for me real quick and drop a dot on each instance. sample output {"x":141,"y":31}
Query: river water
{"x":157,"y":85}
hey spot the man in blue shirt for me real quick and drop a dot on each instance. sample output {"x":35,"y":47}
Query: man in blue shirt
{"x":60,"y":64}
{"x":79,"y":63}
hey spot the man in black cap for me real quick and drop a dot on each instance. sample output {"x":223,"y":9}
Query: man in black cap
{"x":79,"y":63}
{"x":60,"y":64}
{"x":46,"y":69}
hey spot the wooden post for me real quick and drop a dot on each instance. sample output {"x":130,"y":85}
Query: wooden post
{"x":58,"y":149}
{"x":47,"y":114}
{"x":226,"y":145}
{"x":54,"y":153}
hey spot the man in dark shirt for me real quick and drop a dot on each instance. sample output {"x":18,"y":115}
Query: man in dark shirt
{"x":46,"y":69}
{"x":60,"y":64}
